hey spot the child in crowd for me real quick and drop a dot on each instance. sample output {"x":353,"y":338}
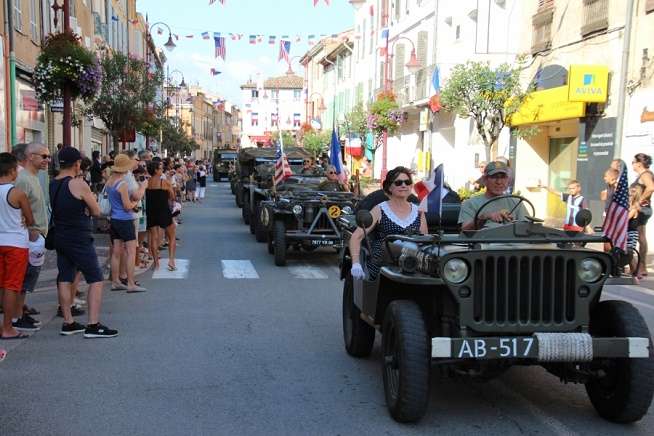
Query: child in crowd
{"x":15,"y":218}
{"x":574,"y":203}
{"x":635,"y":196}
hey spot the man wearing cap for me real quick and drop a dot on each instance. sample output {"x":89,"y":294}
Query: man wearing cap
{"x":496,"y":178}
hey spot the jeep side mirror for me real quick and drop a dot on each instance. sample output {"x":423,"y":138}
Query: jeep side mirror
{"x":364,"y":219}
{"x":583,"y":218}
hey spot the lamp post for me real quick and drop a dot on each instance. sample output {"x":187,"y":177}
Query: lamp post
{"x":290,"y":71}
{"x":68,"y":110}
{"x":182,"y":84}
{"x":321,"y":108}
{"x":170,"y":44}
{"x":413,"y":66}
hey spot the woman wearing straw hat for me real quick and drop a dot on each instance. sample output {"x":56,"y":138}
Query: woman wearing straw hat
{"x":122,"y":228}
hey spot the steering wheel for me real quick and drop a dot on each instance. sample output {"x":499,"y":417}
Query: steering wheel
{"x":520,"y":198}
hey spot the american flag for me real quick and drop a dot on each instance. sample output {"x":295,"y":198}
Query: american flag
{"x":284,"y":50}
{"x":220,"y":46}
{"x":282,"y":168}
{"x":205,"y":35}
{"x":617,"y":217}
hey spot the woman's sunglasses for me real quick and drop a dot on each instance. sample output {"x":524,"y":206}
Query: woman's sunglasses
{"x":406,"y":182}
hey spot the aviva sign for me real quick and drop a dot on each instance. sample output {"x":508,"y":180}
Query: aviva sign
{"x":588,"y":83}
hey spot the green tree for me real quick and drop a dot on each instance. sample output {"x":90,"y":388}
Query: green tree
{"x":316,"y":142}
{"x":175,"y":140}
{"x":356,"y":122}
{"x":289,"y":139}
{"x":488,"y":95}
{"x":128,"y":92}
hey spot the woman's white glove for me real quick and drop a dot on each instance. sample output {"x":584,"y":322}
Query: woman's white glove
{"x":357,"y":271}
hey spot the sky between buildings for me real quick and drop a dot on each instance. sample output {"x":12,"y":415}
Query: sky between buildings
{"x":195,"y":56}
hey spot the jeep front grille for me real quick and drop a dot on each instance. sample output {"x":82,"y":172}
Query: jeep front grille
{"x":511,"y":290}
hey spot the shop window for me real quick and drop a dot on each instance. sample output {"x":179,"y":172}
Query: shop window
{"x":542,"y":26}
{"x":255,"y":93}
{"x":596,"y":16}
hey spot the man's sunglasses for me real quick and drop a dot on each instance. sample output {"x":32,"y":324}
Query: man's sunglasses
{"x":43,"y":156}
{"x":406,"y":182}
{"x":331,"y":172}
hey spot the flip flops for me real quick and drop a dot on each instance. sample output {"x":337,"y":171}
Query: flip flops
{"x":18,"y":336}
{"x":172,"y":268}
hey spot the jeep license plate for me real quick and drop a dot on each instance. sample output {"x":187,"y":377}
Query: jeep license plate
{"x":524,"y":347}
{"x":322,"y":242}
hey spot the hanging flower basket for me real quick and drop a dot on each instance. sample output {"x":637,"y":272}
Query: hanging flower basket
{"x":384,"y":116}
{"x":64,"y":61}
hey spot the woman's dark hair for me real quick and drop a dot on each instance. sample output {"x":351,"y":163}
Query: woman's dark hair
{"x":86,"y":164}
{"x":394,"y":174}
{"x":153,"y":167}
{"x":8,"y":162}
{"x":95,"y":155}
{"x":644,"y":159}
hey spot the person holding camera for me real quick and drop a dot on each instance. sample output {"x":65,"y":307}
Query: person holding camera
{"x":122,"y":229}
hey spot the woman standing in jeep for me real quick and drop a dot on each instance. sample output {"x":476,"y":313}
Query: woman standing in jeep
{"x":395,"y":216}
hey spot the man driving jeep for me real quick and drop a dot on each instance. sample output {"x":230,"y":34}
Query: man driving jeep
{"x":496,"y":178}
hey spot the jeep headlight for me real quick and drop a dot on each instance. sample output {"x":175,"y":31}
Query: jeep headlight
{"x":455,"y":270}
{"x":589,"y":270}
{"x":297,"y":209}
{"x":347,"y":210}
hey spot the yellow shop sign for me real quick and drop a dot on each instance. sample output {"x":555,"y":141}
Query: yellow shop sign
{"x":548,"y":105}
{"x":588,"y":83}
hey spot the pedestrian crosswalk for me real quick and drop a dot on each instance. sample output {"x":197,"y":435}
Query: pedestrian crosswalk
{"x":244,"y":269}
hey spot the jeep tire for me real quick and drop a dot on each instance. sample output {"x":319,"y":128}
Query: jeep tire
{"x":238,"y":197}
{"x":253,"y":218}
{"x":359,"y":337}
{"x":260,"y":230}
{"x":406,"y":361}
{"x":279,"y":238}
{"x":271,"y":245}
{"x":625,"y":393}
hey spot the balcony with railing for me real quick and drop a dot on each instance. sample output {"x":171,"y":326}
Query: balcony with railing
{"x":596,"y":16}
{"x":542,"y":28}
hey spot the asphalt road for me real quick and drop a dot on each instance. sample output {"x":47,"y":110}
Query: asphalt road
{"x":234,"y":345}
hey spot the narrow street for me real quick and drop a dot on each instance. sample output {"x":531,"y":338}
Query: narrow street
{"x":231,"y":344}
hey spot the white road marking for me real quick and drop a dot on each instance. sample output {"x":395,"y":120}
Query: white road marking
{"x":163,"y":273}
{"x":239,"y":269}
{"x":307,"y":272}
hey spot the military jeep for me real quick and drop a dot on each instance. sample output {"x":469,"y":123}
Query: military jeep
{"x":478,"y":302}
{"x":255,"y":169}
{"x":222,"y":158}
{"x":300,"y":215}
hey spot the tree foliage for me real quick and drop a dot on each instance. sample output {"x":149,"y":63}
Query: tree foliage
{"x":488,"y":95}
{"x":316,"y":142}
{"x":288,"y":138}
{"x":175,"y":139}
{"x":127,"y":94}
{"x":356,"y":122}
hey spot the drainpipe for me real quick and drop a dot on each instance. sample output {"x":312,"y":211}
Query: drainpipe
{"x":9,"y":20}
{"x":626,"y":44}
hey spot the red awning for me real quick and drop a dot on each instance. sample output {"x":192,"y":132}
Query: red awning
{"x":258,"y":138}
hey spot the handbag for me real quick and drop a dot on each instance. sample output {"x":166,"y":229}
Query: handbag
{"x":50,"y":238}
{"x":104,"y":203}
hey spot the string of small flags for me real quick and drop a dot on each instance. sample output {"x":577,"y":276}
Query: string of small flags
{"x":255,"y":39}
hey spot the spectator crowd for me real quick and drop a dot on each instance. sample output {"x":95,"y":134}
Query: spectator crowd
{"x":134,"y":197}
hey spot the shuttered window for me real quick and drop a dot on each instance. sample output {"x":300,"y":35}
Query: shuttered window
{"x":399,"y":61}
{"x":596,"y":16}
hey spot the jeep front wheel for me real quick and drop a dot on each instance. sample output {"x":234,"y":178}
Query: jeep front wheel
{"x":279,"y":238}
{"x":406,"y":359}
{"x":245,"y":211}
{"x":260,"y":230}
{"x":623,"y":391}
{"x":359,"y":337}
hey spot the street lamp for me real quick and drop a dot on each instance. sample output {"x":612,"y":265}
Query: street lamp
{"x":357,"y":3}
{"x":290,"y":71}
{"x":170,"y":44}
{"x":321,"y":108}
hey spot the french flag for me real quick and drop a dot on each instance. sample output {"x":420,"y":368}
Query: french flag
{"x":430,"y":192}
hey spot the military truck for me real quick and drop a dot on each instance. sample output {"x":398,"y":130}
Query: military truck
{"x":222,"y":159}
{"x":299,"y":214}
{"x":476,"y":303}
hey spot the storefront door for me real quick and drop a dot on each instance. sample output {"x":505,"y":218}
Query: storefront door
{"x":562,"y":169}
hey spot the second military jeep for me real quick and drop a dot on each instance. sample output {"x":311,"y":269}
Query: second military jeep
{"x":222,"y":160}
{"x":476,"y":303}
{"x":300,"y":215}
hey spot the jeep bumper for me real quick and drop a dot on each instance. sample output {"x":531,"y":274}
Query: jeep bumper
{"x":542,"y":347}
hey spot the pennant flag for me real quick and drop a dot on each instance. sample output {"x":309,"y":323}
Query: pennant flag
{"x":114,"y":18}
{"x":617,"y":216}
{"x":205,"y":35}
{"x":282,"y":168}
{"x":211,"y":2}
{"x":259,"y":38}
{"x":335,"y":157}
{"x":311,"y":39}
{"x":189,"y":36}
{"x":176,"y":36}
{"x":253,"y":39}
{"x":159,"y":29}
{"x":272,"y":39}
{"x":214,"y":72}
{"x":220,"y":46}
{"x":430,"y":192}
{"x":435,"y":100}
{"x":298,"y":38}
{"x":216,"y":35}
{"x":315,"y":2}
{"x":284,"y":50}
{"x":284,"y":37}
{"x":383,"y":41}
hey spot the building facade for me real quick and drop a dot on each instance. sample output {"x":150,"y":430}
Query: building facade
{"x":274,"y":104}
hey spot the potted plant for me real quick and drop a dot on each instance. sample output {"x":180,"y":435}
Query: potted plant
{"x":384,"y":116}
{"x":63,"y":61}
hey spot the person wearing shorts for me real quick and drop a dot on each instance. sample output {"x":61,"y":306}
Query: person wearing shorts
{"x":73,"y":204}
{"x":123,"y":228}
{"x":15,"y":216}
